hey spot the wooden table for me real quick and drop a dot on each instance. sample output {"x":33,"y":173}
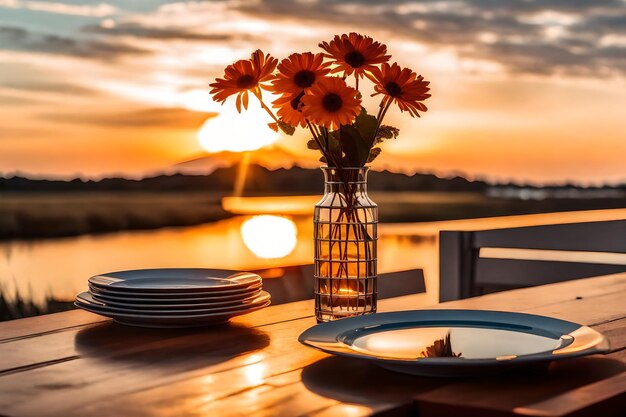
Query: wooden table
{"x":80,"y":364}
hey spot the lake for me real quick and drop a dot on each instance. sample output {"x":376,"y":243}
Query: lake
{"x":60,"y":267}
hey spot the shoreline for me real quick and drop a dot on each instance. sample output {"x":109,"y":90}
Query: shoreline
{"x":48,"y":215}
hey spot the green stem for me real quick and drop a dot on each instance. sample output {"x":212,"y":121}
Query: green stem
{"x":257,"y":94}
{"x":336,"y":161}
{"x":319,"y":143}
{"x":381,"y":115}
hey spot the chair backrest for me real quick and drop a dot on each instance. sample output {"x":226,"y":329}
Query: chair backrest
{"x":478,"y":262}
{"x":295,"y":283}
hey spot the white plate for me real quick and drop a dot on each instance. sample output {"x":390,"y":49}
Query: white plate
{"x":175,"y":295}
{"x":171,"y":321}
{"x":449,"y":343}
{"x":174,"y":303}
{"x":87,"y":299}
{"x":174,"y":280}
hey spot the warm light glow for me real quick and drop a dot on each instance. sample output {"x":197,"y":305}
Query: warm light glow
{"x":269,"y":237}
{"x":200,"y":100}
{"x":255,"y":373}
{"x":294,"y":205}
{"x":231,"y":131}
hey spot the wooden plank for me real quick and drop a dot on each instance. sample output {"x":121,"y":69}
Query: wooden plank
{"x":583,"y":383}
{"x":48,"y":323}
{"x":149,"y":372}
{"x":587,"y":310}
{"x":606,"y":398}
{"x":236,"y":359}
{"x":325,"y":383}
{"x":525,"y":298}
{"x":615,"y":331}
{"x":107,"y":361}
{"x":579,"y":380}
{"x":57,"y":346}
{"x":334,"y":381}
{"x":353,"y":410}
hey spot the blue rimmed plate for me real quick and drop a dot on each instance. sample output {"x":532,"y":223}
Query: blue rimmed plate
{"x":450,"y":343}
{"x":174,"y":281}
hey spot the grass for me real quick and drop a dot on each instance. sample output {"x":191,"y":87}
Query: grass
{"x":37,"y":215}
{"x":42,"y":215}
{"x":18,"y":306}
{"x":435,"y":206}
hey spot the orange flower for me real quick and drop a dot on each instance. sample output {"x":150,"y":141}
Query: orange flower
{"x":402,"y":86}
{"x":355,"y":53}
{"x":331,"y":103}
{"x":243,"y":76}
{"x":299,"y":71}
{"x":290,"y":109}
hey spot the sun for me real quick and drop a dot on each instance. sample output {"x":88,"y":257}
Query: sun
{"x":269,"y":237}
{"x":234,"y":132}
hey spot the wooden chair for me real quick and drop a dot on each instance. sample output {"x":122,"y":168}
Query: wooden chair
{"x":479,"y":262}
{"x":295,"y":283}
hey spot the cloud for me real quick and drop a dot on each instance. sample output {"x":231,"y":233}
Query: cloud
{"x":96,"y":10}
{"x":50,"y":87}
{"x":603,"y":24}
{"x":150,"y":117}
{"x":531,"y":37}
{"x":19,"y":39}
{"x":137,"y":30}
{"x":11,"y":100}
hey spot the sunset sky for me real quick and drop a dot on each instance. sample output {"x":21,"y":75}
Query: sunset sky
{"x":522,"y":90}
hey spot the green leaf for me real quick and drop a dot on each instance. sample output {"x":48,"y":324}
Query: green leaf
{"x":366,"y":125}
{"x":386,"y":132}
{"x":312,"y":144}
{"x":355,"y":147}
{"x":373,"y":154}
{"x":334,"y":146}
{"x":287,"y":128}
{"x":357,"y":139}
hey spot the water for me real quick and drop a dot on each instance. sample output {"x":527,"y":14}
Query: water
{"x":60,"y":267}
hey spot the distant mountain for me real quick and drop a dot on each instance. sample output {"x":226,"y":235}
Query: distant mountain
{"x":272,"y":157}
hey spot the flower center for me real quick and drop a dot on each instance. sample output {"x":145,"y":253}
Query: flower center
{"x":304,"y":78}
{"x":355,"y":59}
{"x":246,"y":81}
{"x":393,"y":89}
{"x":332,"y":102}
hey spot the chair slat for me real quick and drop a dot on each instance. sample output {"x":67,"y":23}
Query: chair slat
{"x":528,"y":273}
{"x":607,"y":236}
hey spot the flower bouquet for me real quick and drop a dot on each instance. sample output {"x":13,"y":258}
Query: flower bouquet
{"x":313,"y":93}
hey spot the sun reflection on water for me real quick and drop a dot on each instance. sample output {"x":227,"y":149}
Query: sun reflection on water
{"x":269,"y":237}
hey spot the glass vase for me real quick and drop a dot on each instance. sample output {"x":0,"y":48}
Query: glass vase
{"x":345,"y":237}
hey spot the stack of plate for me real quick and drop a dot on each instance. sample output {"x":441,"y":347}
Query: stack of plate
{"x":173,"y":297}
